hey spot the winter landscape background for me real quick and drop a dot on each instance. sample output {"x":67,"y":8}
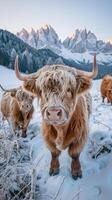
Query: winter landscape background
{"x":46,"y":32}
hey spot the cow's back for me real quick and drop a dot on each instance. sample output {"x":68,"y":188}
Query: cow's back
{"x":5,"y":104}
{"x":9,"y":105}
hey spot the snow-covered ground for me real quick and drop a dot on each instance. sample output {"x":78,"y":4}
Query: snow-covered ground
{"x":86,"y":57}
{"x":96,"y":158}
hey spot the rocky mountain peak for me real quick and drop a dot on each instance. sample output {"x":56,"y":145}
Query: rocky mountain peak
{"x":23,"y":34}
{"x":44,"y":37}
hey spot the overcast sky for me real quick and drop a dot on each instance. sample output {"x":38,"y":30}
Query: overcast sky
{"x":63,"y":15}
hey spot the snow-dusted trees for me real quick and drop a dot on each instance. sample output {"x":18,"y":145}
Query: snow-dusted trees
{"x":12,"y":59}
{"x":27,"y":62}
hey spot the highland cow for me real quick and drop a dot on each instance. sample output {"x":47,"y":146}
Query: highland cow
{"x":17,"y":108}
{"x":65,"y":103}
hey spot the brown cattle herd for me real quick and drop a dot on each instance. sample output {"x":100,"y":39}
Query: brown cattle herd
{"x":65,"y":102}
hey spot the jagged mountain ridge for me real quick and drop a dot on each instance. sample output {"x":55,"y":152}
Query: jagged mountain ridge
{"x":45,"y":37}
{"x":81,"y":41}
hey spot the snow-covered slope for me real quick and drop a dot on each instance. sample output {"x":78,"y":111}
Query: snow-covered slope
{"x":86,"y":58}
{"x":96,"y":161}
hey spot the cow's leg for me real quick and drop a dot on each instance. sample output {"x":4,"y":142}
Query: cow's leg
{"x":103,"y":98}
{"x":24,"y":133}
{"x":54,"y":166}
{"x":50,"y":140}
{"x":75,"y":164}
{"x":108,"y":101}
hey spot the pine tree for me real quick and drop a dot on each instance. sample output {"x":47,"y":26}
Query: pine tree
{"x":12,"y":59}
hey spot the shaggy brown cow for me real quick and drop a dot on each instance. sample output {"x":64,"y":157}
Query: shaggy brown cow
{"x":65,"y":109}
{"x":17,"y":108}
{"x":106,"y":85}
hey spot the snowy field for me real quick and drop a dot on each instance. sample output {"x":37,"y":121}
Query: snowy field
{"x":87,"y":57}
{"x":96,"y":158}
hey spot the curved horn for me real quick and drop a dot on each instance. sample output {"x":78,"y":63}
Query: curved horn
{"x":3,"y":88}
{"x":23,"y":77}
{"x":92,"y":74}
{"x":10,"y":90}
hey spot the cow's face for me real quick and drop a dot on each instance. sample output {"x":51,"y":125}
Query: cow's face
{"x":24,"y":99}
{"x":57,"y":91}
{"x":57,"y":96}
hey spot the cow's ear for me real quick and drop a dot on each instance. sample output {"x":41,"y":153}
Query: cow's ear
{"x":83,"y":84}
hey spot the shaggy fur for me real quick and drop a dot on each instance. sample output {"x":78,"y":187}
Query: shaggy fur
{"x":106,"y":85}
{"x":18,"y":109}
{"x":63,"y":87}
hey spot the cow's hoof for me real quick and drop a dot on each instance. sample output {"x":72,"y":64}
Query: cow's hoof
{"x":77,"y":175}
{"x":24,"y":136}
{"x":54,"y":172}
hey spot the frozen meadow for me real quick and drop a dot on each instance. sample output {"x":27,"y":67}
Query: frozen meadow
{"x":24,"y":163}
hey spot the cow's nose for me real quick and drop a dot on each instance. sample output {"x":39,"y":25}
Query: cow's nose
{"x":54,"y":113}
{"x":25,"y":106}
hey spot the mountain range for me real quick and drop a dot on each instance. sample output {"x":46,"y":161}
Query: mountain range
{"x":80,"y":41}
{"x":79,"y":46}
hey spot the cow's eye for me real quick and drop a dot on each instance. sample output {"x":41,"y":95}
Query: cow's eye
{"x":69,"y":92}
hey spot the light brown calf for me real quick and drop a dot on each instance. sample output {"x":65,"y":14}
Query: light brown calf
{"x":65,"y":105}
{"x":17,"y":108}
